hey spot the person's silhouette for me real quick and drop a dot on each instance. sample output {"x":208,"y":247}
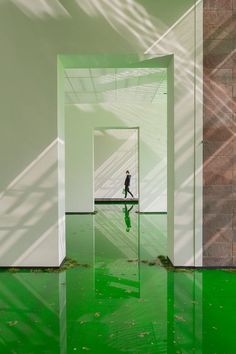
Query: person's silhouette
{"x":127,"y":217}
{"x":127,"y":184}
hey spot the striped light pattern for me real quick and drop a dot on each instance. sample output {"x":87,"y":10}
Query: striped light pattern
{"x":108,"y":85}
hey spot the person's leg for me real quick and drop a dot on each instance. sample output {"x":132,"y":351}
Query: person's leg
{"x":129,"y":192}
{"x":126,"y":190}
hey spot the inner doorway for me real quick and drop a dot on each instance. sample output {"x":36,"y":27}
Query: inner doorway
{"x":116,"y":150}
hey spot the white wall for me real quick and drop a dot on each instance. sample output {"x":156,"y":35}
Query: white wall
{"x":29,"y":215}
{"x":81,"y":120}
{"x":32,"y":34}
{"x":115,"y":151}
{"x":184,"y":40}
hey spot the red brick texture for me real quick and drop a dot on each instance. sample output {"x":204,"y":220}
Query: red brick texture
{"x":219,"y":131}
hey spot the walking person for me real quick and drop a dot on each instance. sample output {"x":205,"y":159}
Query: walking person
{"x":127,"y":184}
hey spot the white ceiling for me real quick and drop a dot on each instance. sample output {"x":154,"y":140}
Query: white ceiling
{"x":109,"y":85}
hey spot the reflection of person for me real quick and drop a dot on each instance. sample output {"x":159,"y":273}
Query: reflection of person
{"x":127,"y":217}
{"x":127,"y":184}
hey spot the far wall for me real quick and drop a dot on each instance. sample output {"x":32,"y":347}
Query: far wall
{"x":115,"y":151}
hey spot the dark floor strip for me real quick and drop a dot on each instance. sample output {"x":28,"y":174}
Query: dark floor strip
{"x":81,"y":213}
{"x":116,"y":200}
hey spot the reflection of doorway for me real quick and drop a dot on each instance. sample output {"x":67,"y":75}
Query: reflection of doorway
{"x":117,"y":270}
{"x":115,"y":151}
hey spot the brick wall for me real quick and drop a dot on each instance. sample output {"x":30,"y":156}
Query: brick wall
{"x":219,"y":228}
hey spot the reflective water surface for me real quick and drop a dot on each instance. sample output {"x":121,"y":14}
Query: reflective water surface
{"x":116,"y":304}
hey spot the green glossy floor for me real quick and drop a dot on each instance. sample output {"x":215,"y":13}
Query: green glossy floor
{"x":117,"y":305}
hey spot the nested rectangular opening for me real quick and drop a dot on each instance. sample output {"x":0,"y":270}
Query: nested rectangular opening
{"x":116,"y":151}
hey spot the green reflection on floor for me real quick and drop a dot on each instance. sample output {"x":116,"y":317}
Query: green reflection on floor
{"x":117,"y":305}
